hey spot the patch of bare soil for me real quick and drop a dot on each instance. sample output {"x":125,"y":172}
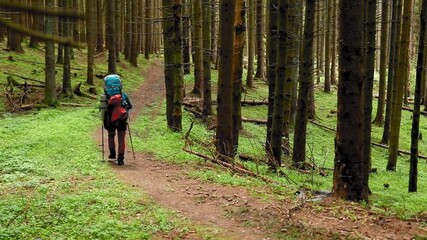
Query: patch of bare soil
{"x":233,"y":212}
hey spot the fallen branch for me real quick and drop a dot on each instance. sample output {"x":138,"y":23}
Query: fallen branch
{"x":245,"y":157}
{"x":372,"y":143}
{"x":254,"y":102}
{"x":412,"y":110}
{"x":235,"y":167}
{"x":23,"y":77}
{"x":78,"y":92}
{"x":256,"y":121}
{"x":74,"y":104}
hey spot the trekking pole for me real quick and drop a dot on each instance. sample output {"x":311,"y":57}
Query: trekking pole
{"x":102,"y":137}
{"x":130,"y":138}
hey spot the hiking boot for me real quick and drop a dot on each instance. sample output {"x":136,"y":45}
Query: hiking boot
{"x":112,"y":153}
{"x":120,"y":159}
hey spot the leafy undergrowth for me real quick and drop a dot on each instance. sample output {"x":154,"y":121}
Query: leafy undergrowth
{"x":53,"y":183}
{"x":55,"y":186}
{"x":389,"y":189}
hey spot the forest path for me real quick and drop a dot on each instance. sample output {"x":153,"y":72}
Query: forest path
{"x":233,"y":212}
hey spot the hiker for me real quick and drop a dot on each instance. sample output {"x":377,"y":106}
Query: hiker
{"x":116,"y":116}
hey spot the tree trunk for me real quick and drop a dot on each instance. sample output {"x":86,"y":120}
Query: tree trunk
{"x":66,"y":77}
{"x":271,"y":71}
{"x":392,"y":68}
{"x":401,"y":79}
{"x":207,"y":91}
{"x":327,"y":87}
{"x":49,"y":90}
{"x":36,"y":24}
{"x":379,"y":118}
{"x":350,"y":175}
{"x":260,"y":39}
{"x":214,"y":31}
{"x":198,"y":48}
{"x":413,"y":170}
{"x":14,"y":38}
{"x":134,"y":52}
{"x":318,"y":40}
{"x":368,"y":83}
{"x":91,"y":38}
{"x":148,"y":28}
{"x":118,"y":28}
{"x":251,"y":44}
{"x":280,"y":91}
{"x":172,"y":30}
{"x":186,"y":39}
{"x":111,"y":34}
{"x":224,"y":130}
{"x":334,"y":44}
{"x":99,"y":27}
{"x":306,"y":79}
{"x":128,"y":30}
{"x":239,"y":43}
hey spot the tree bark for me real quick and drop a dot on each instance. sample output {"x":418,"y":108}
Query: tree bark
{"x":271,"y":70}
{"x":111,"y":34}
{"x":66,"y":77}
{"x":134,"y":52}
{"x":36,"y":24}
{"x":413,"y":170}
{"x":99,"y":26}
{"x":224,"y":132}
{"x":350,"y":179}
{"x":91,"y":39}
{"x":251,"y":44}
{"x":401,"y":80}
{"x":128,"y":30}
{"x":207,"y":89}
{"x":379,"y":118}
{"x":260,"y":39}
{"x":198,"y":48}
{"x":327,"y":87}
{"x":148,"y":28}
{"x":306,"y":79}
{"x":49,"y":90}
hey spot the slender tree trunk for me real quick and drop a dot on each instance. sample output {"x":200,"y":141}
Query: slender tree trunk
{"x":379,"y":118}
{"x":172,"y":30}
{"x":214,"y":31}
{"x":186,"y":38}
{"x":392,"y":68}
{"x":134,"y":52}
{"x":401,"y":79}
{"x":251,"y":44}
{"x":91,"y":39}
{"x":148,"y":28}
{"x":14,"y":38}
{"x":280,"y":91}
{"x":260,"y":40}
{"x":350,"y":175}
{"x":111,"y":34}
{"x":49,"y":90}
{"x":318,"y":40}
{"x":198,"y":48}
{"x":36,"y":24}
{"x":207,"y":91}
{"x":128,"y":30}
{"x":292,"y":62}
{"x":306,"y":79}
{"x":271,"y":71}
{"x":99,"y":27}
{"x":60,"y":56}
{"x":327,"y":87}
{"x":368,"y":83}
{"x":118,"y":24}
{"x":66,"y":78}
{"x":334,"y":43}
{"x":224,"y":130}
{"x":239,"y":43}
{"x":413,"y":170}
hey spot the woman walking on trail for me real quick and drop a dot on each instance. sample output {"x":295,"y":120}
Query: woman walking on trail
{"x":116,"y":116}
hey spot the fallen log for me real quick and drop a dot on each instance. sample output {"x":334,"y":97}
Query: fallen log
{"x":75,"y":104}
{"x":23,"y":77}
{"x":256,"y":121}
{"x":372,"y":143}
{"x":412,"y":110}
{"x":235,"y":167}
{"x":254,"y":102}
{"x":78,"y":92}
{"x":246,"y":157}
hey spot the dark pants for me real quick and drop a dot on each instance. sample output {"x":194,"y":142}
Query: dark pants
{"x":120,"y":126}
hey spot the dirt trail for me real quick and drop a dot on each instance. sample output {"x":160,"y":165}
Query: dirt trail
{"x":232,"y":212}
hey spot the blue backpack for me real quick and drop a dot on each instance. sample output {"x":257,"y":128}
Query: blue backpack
{"x":112,"y":85}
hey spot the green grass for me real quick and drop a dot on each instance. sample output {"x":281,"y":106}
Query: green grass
{"x":55,"y":186}
{"x":394,"y":200}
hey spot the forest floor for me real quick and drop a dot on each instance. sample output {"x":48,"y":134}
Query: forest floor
{"x":234,"y":212}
